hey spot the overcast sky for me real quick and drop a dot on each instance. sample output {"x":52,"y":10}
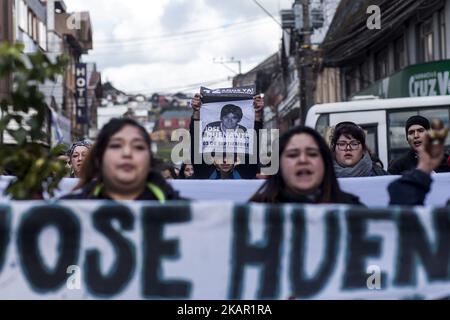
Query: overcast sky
{"x":151,"y":46}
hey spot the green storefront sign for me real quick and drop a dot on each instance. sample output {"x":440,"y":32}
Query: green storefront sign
{"x":420,"y":80}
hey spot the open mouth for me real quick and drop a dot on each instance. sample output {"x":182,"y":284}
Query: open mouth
{"x":303,"y":173}
{"x":126,"y":167}
{"x":417,"y":143}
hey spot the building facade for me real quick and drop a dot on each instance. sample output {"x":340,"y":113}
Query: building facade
{"x":75,"y":29}
{"x":408,"y":56}
{"x":46,"y":26}
{"x":171,"y":120}
{"x":6,"y":35}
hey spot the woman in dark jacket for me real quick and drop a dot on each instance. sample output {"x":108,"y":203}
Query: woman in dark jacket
{"x":351,"y":154}
{"x":306,"y":172}
{"x":119,"y":167}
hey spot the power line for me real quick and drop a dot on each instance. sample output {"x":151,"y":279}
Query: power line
{"x":184,"y":87}
{"x":174,"y":35}
{"x":268,"y":13}
{"x":227,"y":67}
{"x":167,"y":43}
{"x":106,"y":44}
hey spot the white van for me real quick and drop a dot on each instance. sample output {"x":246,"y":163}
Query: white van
{"x":382,"y":119}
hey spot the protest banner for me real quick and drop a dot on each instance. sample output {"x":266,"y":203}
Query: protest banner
{"x":220,"y":250}
{"x":372,"y":191}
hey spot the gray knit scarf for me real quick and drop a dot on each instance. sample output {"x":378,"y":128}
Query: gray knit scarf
{"x":362,"y":169}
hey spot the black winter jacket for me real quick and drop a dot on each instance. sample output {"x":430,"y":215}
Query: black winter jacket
{"x":409,"y":161}
{"x":410,"y":189}
{"x":157,"y":189}
{"x":205,"y":171}
{"x":284,"y":197}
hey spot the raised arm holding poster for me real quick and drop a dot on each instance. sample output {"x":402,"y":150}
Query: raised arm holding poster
{"x":227,"y":120}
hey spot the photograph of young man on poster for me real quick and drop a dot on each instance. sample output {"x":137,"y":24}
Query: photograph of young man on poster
{"x":230,"y":116}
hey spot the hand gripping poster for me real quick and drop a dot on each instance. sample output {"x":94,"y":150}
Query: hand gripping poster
{"x":227,"y":120}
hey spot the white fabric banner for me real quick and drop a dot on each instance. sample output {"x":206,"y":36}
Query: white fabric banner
{"x":219,"y":250}
{"x":372,"y":191}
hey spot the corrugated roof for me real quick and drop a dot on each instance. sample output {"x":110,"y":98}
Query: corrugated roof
{"x":348,"y":36}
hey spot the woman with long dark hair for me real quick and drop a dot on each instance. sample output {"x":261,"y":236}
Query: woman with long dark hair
{"x":186,"y":171}
{"x":305,"y":174}
{"x":119,"y":166}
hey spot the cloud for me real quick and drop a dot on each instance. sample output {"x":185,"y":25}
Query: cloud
{"x":164,"y":44}
{"x":149,"y":78}
{"x":235,"y":9}
{"x":178,"y":15}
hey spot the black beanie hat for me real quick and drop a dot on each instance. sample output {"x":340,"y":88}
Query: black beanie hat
{"x":419,"y":120}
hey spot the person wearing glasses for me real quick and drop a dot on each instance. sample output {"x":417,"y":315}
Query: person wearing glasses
{"x":351,"y":154}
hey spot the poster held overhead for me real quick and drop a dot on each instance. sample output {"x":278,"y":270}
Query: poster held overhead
{"x":227,"y":120}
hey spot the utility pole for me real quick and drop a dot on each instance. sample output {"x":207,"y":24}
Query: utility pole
{"x":304,"y":57}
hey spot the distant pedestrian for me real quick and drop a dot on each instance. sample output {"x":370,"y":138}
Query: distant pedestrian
{"x":186,"y":171}
{"x":416,"y":130}
{"x":167,"y":170}
{"x":412,"y":188}
{"x":77,"y":155}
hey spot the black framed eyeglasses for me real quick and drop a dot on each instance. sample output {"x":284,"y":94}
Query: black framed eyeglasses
{"x":353,"y":145}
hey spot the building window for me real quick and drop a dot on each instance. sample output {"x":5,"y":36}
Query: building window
{"x":30,"y":23}
{"x":42,"y":36}
{"x":442,"y":34}
{"x":426,"y":41}
{"x":396,"y":127}
{"x":364,"y":71}
{"x":381,"y":64}
{"x":182,"y":123}
{"x":167,"y":123}
{"x":35,"y":28}
{"x":399,"y":53}
{"x":351,"y":82}
{"x":23,"y":15}
{"x":323,"y":126}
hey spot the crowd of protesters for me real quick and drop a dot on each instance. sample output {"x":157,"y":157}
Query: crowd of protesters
{"x":120,"y":164}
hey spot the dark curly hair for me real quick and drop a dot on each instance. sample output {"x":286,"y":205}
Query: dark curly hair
{"x":348,"y":129}
{"x":231,"y":108}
